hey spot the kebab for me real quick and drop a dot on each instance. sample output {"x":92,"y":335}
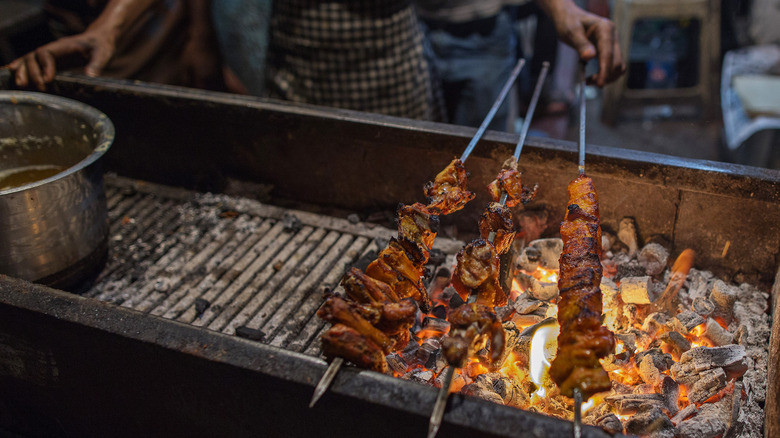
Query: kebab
{"x":397,"y":270}
{"x":476,"y":274}
{"x":582,"y":340}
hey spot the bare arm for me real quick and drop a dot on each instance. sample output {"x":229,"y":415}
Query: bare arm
{"x":94,"y":47}
{"x":203,"y":67}
{"x":591,"y":35}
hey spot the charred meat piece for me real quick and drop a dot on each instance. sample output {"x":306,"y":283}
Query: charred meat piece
{"x":472,"y":327}
{"x":477,"y":272}
{"x":509,"y":181}
{"x":447,"y":193}
{"x":390,"y":318}
{"x":338,"y":310}
{"x":417,"y":224}
{"x":582,"y":340}
{"x":394,"y":267}
{"x":497,"y":219}
{"x":347,"y":343}
{"x":364,"y":289}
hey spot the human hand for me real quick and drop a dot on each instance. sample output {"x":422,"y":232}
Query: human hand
{"x":37,"y":68}
{"x":591,"y":35}
{"x":202,"y":67}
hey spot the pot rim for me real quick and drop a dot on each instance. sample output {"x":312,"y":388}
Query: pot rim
{"x":92,"y":116}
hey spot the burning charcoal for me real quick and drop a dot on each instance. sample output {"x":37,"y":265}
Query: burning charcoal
{"x":409,"y":354}
{"x":543,"y":290}
{"x":250,"y":333}
{"x":684,"y":413}
{"x":693,"y":362}
{"x":687,"y":320}
{"x":627,"y":235}
{"x":651,"y":422}
{"x":528,"y":260}
{"x":550,"y":252}
{"x":649,"y":372}
{"x":610,"y":423}
{"x":433,"y":347}
{"x":717,"y":334}
{"x":630,"y":315}
{"x":631,"y":403}
{"x":291,"y":223}
{"x":636,"y":290}
{"x":511,"y":338}
{"x":396,"y":363}
{"x":723,"y":296}
{"x":607,"y":240}
{"x":437,"y":326}
{"x":703,"y":306}
{"x":662,"y":361}
{"x":353,"y":218}
{"x":482,"y":390}
{"x":419,"y":375}
{"x":655,"y":323}
{"x":525,"y":320}
{"x":628,"y":340}
{"x":630,"y":268}
{"x":511,"y":392}
{"x":439,"y":311}
{"x":677,"y":341}
{"x":200,"y":306}
{"x":456,"y":301}
{"x":706,"y":385}
{"x":525,"y":304}
{"x":365,"y":259}
{"x":653,"y":258}
{"x":710,"y":422}
{"x":670,"y":391}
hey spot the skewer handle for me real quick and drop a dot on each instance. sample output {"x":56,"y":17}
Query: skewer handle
{"x":326,"y":380}
{"x":496,"y":105}
{"x":531,"y":108}
{"x":441,"y":402}
{"x":581,"y":166}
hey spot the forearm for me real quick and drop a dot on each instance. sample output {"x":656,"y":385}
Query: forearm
{"x":119,"y":15}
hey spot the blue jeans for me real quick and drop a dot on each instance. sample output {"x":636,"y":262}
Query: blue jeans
{"x":473,"y":71}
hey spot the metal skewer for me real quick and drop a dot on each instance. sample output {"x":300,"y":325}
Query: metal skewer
{"x":496,"y":105}
{"x":444,"y":391}
{"x":582,"y":121}
{"x":336,"y":363}
{"x":576,"y":391}
{"x":577,"y":413}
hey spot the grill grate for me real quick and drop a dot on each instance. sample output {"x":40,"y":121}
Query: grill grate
{"x":224,"y":263}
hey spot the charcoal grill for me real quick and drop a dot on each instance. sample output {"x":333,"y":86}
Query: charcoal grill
{"x":151,"y":348}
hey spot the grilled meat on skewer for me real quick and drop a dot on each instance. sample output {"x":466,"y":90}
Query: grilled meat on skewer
{"x":498,"y":219}
{"x":582,"y":340}
{"x":338,"y":310}
{"x":364,"y":289}
{"x":509,"y":181}
{"x":477,"y":272}
{"x":347,"y":343}
{"x":394,"y":267}
{"x":417,"y":224}
{"x":447,"y":193}
{"x":472,"y":326}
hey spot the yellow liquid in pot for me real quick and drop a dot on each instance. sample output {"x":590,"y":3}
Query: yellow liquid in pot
{"x":20,"y":176}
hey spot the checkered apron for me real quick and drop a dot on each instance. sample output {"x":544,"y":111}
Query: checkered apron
{"x":366,"y":55}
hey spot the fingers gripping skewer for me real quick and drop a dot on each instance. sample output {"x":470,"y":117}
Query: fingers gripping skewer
{"x":335,"y":365}
{"x":441,"y":398}
{"x":496,"y":105}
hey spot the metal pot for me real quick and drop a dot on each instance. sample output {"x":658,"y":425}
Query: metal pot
{"x":53,"y":214}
